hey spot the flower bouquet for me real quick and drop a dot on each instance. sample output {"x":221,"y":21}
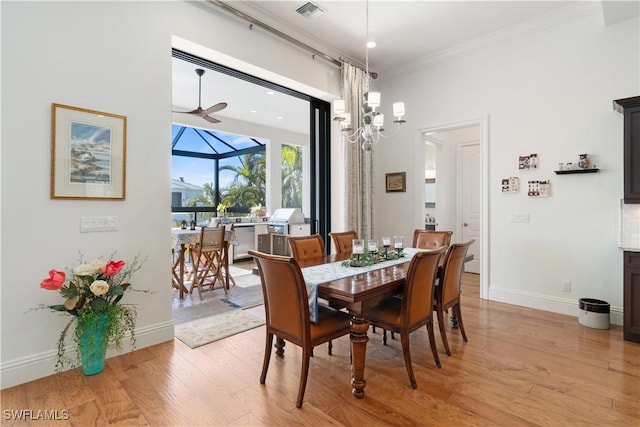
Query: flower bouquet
{"x":92,"y":292}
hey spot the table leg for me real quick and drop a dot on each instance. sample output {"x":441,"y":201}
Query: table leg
{"x":280,"y":347}
{"x":226,"y":267}
{"x":359,"y":338}
{"x":454,"y":320}
{"x":181,"y":263}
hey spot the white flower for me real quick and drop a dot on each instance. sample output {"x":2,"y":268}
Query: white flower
{"x":70,"y":304}
{"x":98,"y":264}
{"x":85,"y":270}
{"x":99,"y":287}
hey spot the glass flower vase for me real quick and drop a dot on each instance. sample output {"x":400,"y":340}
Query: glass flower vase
{"x":92,"y":342}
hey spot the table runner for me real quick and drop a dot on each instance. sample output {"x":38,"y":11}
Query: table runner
{"x":323,"y":273}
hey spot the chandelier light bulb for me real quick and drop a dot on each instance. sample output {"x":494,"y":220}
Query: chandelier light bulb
{"x":347,"y":120}
{"x":398,"y":109}
{"x":373,"y":99}
{"x":339,"y":106}
{"x":378,"y":121}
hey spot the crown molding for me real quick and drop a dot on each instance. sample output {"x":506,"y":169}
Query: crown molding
{"x":562,"y":16}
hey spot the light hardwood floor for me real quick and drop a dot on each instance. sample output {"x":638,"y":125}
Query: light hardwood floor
{"x":521,"y":367}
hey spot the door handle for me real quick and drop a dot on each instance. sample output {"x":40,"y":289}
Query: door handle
{"x":465,"y":224}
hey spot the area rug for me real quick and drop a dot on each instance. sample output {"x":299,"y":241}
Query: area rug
{"x":247,"y":280}
{"x":241,"y":297}
{"x":213,"y":328}
{"x":235,"y":271}
{"x":213,"y":306}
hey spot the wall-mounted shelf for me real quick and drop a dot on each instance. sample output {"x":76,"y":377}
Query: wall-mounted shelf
{"x":576,"y":171}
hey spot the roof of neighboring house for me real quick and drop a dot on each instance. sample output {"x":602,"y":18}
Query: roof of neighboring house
{"x":180,"y":184}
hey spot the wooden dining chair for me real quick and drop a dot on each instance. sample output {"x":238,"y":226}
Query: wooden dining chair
{"x":414,"y":310}
{"x":286,"y":308}
{"x":430,"y":239}
{"x":343,"y":241}
{"x":209,"y":259}
{"x":305,"y":247}
{"x":447,"y":294}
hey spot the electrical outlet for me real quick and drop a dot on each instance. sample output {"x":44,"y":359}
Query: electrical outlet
{"x":566,"y":286}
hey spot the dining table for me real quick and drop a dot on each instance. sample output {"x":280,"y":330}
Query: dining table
{"x":357,"y":289}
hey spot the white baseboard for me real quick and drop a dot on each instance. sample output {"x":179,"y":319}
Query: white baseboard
{"x":544,"y":302}
{"x":35,"y":366}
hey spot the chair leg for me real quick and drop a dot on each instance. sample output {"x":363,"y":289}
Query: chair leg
{"x":443,"y":335}
{"x":432,"y":342}
{"x":458,"y":311}
{"x":196,"y":278}
{"x":406,"y":351}
{"x":330,"y":347}
{"x":267,"y":358}
{"x":384,"y":337}
{"x":306,"y":355}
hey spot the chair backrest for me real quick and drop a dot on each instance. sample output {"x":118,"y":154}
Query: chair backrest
{"x":429,"y":239}
{"x":417,"y":298}
{"x":343,"y":241}
{"x":286,"y":301}
{"x":211,"y":239}
{"x":305,"y":247}
{"x":452,"y":271}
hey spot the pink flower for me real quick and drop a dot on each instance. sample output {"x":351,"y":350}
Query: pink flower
{"x":113,"y":267}
{"x":55,"y":281}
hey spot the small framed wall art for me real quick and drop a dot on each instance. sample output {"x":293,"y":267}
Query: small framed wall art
{"x":539,"y":188}
{"x":396,"y":182}
{"x":88,"y":154}
{"x":511,"y":184}
{"x":528,"y":162}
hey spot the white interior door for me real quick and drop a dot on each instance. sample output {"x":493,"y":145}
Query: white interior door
{"x":471,"y":201}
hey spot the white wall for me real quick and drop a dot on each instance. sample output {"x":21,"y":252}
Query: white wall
{"x":549,"y":93}
{"x":113,"y":57}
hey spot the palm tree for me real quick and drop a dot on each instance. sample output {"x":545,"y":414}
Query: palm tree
{"x":207,"y":198}
{"x":291,"y":176}
{"x":248,"y":186}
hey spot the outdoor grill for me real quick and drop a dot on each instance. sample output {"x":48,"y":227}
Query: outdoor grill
{"x":283,"y":218}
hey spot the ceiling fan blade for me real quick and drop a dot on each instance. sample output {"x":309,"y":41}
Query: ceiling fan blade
{"x":219,"y":106}
{"x":211,"y":119}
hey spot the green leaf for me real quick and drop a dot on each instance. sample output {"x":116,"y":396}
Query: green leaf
{"x":70,"y":292}
{"x":116,"y":290}
{"x":98,"y":304}
{"x":58,"y":307}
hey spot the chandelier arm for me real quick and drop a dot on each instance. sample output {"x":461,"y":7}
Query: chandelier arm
{"x":392,"y":135}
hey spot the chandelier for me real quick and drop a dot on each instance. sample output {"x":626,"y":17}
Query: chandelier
{"x":372,"y":121}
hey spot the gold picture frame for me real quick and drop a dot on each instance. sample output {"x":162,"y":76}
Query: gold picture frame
{"x":88,"y":154}
{"x":395,"y":182}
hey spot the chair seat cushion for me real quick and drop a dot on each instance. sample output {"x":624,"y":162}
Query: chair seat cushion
{"x":331,"y":323}
{"x":386,"y":313}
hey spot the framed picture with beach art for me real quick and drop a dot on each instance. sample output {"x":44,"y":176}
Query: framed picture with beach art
{"x":395,"y":182}
{"x":88,"y":154}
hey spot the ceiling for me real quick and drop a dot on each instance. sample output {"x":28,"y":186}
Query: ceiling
{"x":406,"y":32}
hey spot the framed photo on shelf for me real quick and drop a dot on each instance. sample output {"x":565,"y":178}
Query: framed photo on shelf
{"x":88,"y":154}
{"x":396,"y":182}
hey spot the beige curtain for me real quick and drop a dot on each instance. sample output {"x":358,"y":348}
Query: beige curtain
{"x":358,"y":163}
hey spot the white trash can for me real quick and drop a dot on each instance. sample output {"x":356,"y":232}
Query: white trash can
{"x":594,"y":313}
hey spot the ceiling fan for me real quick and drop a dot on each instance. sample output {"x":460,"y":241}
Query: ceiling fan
{"x":204,"y":113}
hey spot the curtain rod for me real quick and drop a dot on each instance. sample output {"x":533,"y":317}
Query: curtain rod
{"x":272,"y":30}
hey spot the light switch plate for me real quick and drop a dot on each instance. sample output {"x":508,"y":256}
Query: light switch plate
{"x":90,"y":224}
{"x":520,"y":217}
